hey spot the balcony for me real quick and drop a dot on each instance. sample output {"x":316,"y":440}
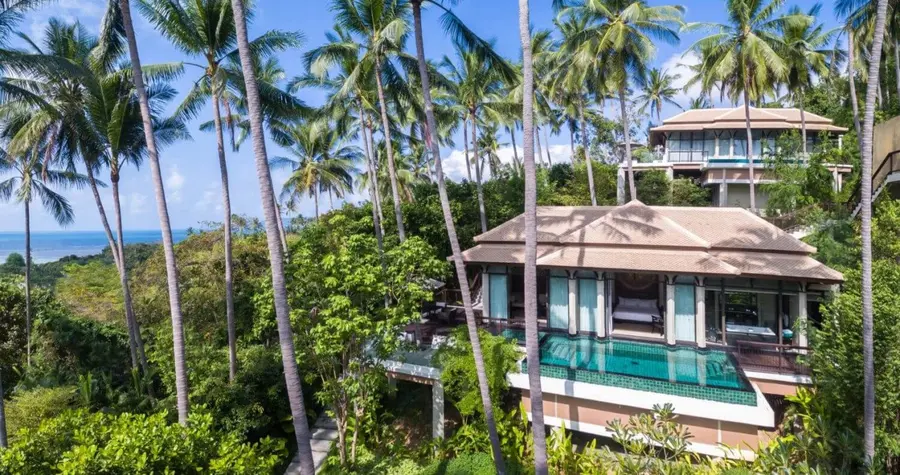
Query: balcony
{"x":772,"y":358}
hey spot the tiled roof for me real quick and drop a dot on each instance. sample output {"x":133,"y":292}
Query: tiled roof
{"x":634,"y":224}
{"x":795,"y":266}
{"x":760,"y":118}
{"x":641,"y":260}
{"x":637,"y":237}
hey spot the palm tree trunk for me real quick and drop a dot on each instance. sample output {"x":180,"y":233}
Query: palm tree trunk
{"x":512,"y":136}
{"x":851,"y":77}
{"x":627,"y":136}
{"x":330,"y":202}
{"x":373,"y":192}
{"x":572,"y":139}
{"x":584,"y":146}
{"x":130,"y":320}
{"x":897,"y":65}
{"x":802,"y":121}
{"x":454,"y":246}
{"x":181,"y":379}
{"x":532,"y":351}
{"x":547,"y":148}
{"x":28,"y":283}
{"x":276,"y":258}
{"x":316,"y":200}
{"x":866,"y":232}
{"x":481,"y":211}
{"x":118,"y":257}
{"x":3,"y":440}
{"x":281,"y":231}
{"x":392,"y":173}
{"x":466,"y":147}
{"x":226,"y":228}
{"x":749,"y":143}
{"x":537,"y":136}
{"x":374,"y":175}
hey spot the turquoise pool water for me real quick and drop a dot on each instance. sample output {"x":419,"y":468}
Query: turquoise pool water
{"x":645,"y":360}
{"x":710,"y":374}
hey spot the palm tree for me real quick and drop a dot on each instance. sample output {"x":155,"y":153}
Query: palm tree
{"x":489,"y":146}
{"x":350,"y":86}
{"x":197,"y":29}
{"x":620,"y":36}
{"x":699,"y":102}
{"x":276,"y":256}
{"x":162,"y":208}
{"x":478,"y":85}
{"x":31,"y":179}
{"x":454,"y":25}
{"x":808,"y":54}
{"x":321,"y":161}
{"x":866,"y":231}
{"x":746,"y":53}
{"x":382,"y":26}
{"x":574,"y":77}
{"x":60,"y":118}
{"x":531,"y":325}
{"x":851,"y":79}
{"x":658,"y":89}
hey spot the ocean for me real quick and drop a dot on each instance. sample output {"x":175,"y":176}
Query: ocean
{"x":49,"y":246}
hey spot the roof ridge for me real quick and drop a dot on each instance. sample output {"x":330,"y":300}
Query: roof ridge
{"x":570,"y":236}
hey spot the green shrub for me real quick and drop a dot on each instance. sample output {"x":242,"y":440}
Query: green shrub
{"x":467,"y":464}
{"x":79,"y":442}
{"x":27,"y":409}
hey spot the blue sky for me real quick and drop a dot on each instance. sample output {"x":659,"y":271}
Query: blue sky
{"x":190,"y":169}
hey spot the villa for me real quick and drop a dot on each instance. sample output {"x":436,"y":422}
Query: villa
{"x":710,"y":146}
{"x":703,"y":308}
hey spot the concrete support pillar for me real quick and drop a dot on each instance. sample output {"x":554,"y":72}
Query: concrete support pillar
{"x":670,"y":310}
{"x":620,"y":186}
{"x":573,"y":304}
{"x":840,"y":182}
{"x":437,"y":410}
{"x":700,"y":315}
{"x":834,"y":180}
{"x":800,"y":336}
{"x":600,"y":322}
{"x":670,"y":173}
{"x":723,"y":190}
{"x":840,"y":142}
{"x":486,"y":294}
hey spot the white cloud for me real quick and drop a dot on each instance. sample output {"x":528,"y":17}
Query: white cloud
{"x":174,"y":184}
{"x":455,"y":162}
{"x":137,"y":203}
{"x":680,"y":64}
{"x":212,"y":199}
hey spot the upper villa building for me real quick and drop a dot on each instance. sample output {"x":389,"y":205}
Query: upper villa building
{"x":709,"y":145}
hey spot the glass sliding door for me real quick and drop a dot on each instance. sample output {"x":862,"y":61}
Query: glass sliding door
{"x":559,"y":303}
{"x":499,"y":299}
{"x":587,"y":305}
{"x":685,"y":313}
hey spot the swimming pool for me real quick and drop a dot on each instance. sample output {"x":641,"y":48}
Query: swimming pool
{"x":680,"y":371}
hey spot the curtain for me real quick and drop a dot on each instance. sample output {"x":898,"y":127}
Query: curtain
{"x":684,"y":313}
{"x":559,"y":303}
{"x":499,"y":298}
{"x":587,"y":305}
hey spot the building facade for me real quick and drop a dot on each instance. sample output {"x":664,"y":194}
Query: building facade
{"x":710,"y":146}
